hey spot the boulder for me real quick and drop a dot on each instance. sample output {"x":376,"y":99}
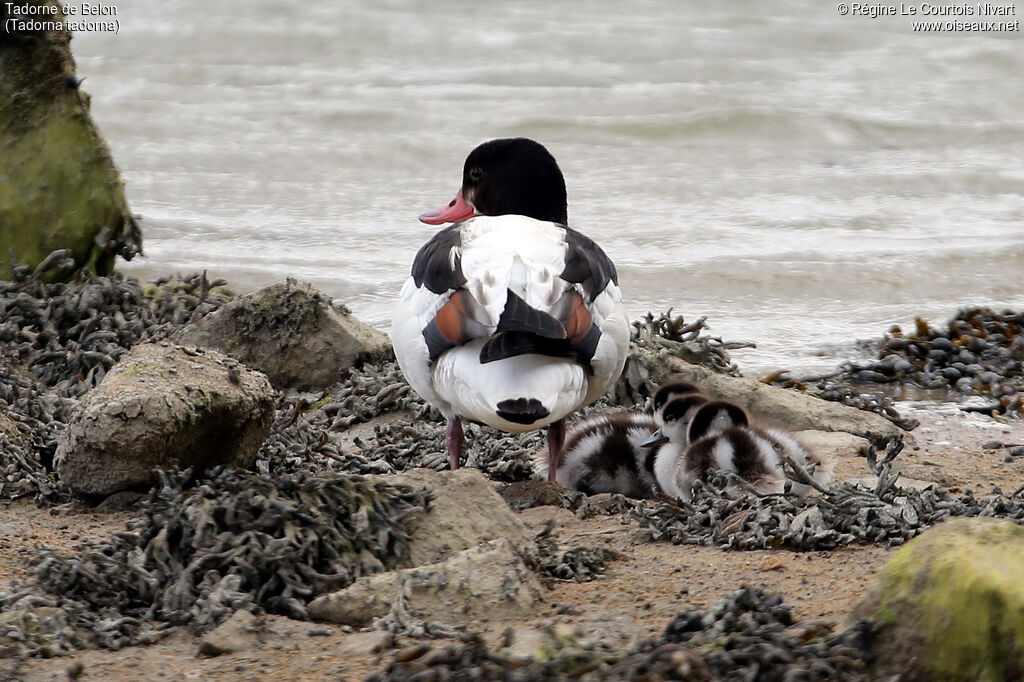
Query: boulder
{"x":292,"y":333}
{"x":951,"y":603}
{"x":783,"y":407}
{"x":469,"y":552}
{"x":58,"y":184}
{"x":466,"y":512}
{"x":481,"y":583}
{"x":164,"y":406}
{"x":239,"y":632}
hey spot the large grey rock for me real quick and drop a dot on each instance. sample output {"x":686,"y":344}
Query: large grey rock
{"x":466,"y":512}
{"x":58,"y":184}
{"x":952,"y":604}
{"x":164,"y":406}
{"x":481,"y":583}
{"x":784,"y":407}
{"x":292,"y":333}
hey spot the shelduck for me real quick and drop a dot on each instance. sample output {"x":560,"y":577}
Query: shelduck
{"x":510,"y":317}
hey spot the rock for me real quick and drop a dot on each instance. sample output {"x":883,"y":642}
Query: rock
{"x":58,"y":184}
{"x":784,"y":407}
{"x":292,"y":333}
{"x":841,"y":450}
{"x":239,"y":632}
{"x":362,"y":643}
{"x":466,"y":512}
{"x":951,"y":603}
{"x":540,"y":517}
{"x":468,"y":551}
{"x":833,"y":445}
{"x":164,"y":406}
{"x":122,"y":501}
{"x":487,"y":582}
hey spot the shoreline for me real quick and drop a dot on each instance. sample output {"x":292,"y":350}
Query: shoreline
{"x":639,"y":592}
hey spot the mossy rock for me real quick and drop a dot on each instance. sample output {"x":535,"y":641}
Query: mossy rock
{"x":291,"y":332}
{"x":164,"y":407}
{"x":59,"y":187}
{"x":952,"y":604}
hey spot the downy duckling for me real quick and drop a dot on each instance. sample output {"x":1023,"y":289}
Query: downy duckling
{"x":604,"y":454}
{"x":677,"y":411}
{"x":667,"y":394}
{"x":720,"y":436}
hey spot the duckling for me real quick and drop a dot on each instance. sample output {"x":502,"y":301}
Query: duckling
{"x":667,"y":393}
{"x":720,"y":436}
{"x":677,"y":411}
{"x":604,"y":454}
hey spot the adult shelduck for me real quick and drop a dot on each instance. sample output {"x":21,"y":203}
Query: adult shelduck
{"x":510,"y":318}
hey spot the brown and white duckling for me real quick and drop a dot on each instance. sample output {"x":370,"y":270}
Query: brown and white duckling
{"x":678,"y":412}
{"x":667,"y":394}
{"x":720,"y":436}
{"x":604,"y":454}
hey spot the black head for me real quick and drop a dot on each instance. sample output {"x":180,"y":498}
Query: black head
{"x":515,"y":176}
{"x":715,"y":417}
{"x":672,"y":390}
{"x":678,"y":408}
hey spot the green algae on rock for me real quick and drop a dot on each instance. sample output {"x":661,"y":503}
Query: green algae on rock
{"x":59,"y":187}
{"x":952,"y":604}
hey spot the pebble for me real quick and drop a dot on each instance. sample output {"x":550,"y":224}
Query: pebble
{"x":978,"y":343}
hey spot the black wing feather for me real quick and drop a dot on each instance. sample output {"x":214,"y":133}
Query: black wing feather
{"x":510,"y":344}
{"x":519,"y":316}
{"x":432,"y":266}
{"x":587,"y":264}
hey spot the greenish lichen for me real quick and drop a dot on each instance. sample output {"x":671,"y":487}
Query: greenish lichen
{"x":58,"y":184}
{"x":964,"y":594}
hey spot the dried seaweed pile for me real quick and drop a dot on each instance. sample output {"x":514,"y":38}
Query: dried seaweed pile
{"x":745,"y":636}
{"x":846,"y":513}
{"x":574,"y":564}
{"x":28,"y":437}
{"x":238,"y":540}
{"x":748,"y":635}
{"x":980,"y":353}
{"x":69,"y":335}
{"x":309,"y":433}
{"x":686,"y":340}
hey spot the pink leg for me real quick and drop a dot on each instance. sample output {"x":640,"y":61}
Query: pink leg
{"x":556,"y":438}
{"x":454,"y":438}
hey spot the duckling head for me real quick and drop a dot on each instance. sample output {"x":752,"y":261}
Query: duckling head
{"x":668,"y":393}
{"x":713,"y":418}
{"x":676,"y":417}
